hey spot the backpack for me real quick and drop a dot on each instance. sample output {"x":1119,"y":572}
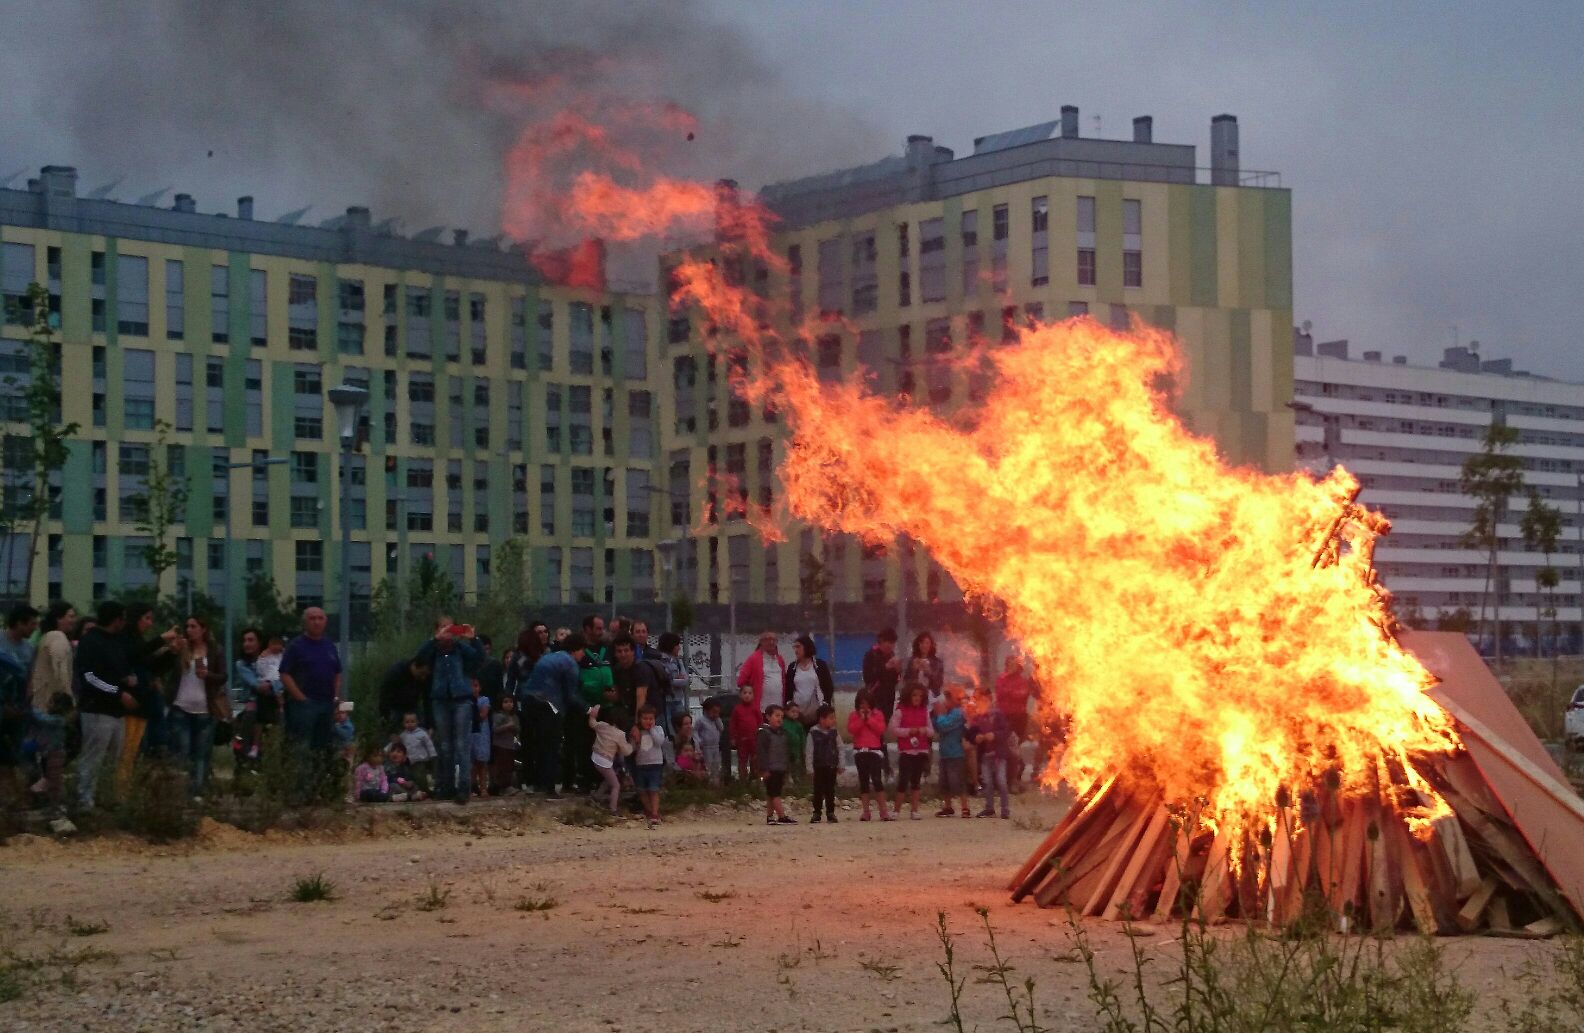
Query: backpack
{"x":662,"y":676}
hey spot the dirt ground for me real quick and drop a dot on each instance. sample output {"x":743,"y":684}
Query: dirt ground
{"x":803,"y":927}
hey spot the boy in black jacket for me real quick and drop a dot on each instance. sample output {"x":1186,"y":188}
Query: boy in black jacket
{"x":825,"y":744}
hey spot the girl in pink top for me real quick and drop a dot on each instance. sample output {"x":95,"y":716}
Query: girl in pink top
{"x":867,"y":727}
{"x":914,"y":731}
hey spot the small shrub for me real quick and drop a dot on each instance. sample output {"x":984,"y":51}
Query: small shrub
{"x":716,"y":897}
{"x":885,"y":970}
{"x":76,"y":928}
{"x":155,"y":804}
{"x":311,"y":888}
{"x":536,"y":904}
{"x":435,"y":898}
{"x":585,"y":814}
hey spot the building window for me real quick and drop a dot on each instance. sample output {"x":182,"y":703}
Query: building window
{"x":137,"y":374}
{"x":640,"y":425}
{"x":1086,"y":267}
{"x":219,"y":304}
{"x":306,"y":381}
{"x":132,"y":295}
{"x":581,"y":325}
{"x":1086,"y":241}
{"x":304,"y":511}
{"x":795,"y":281}
{"x":308,"y":428}
{"x":865,"y":275}
{"x":451,"y":309}
{"x":478,"y":347}
{"x":546,"y":339}
{"x":829,"y":257}
{"x":580,"y":408}
{"x":1041,"y":233}
{"x":350,"y":325}
{"x":420,"y":306}
{"x":258,"y":307}
{"x":637,"y":503}
{"x":184,"y":392}
{"x":1000,"y":231}
{"x":16,"y":273}
{"x":828,"y":355}
{"x":547,"y":492}
{"x":932,"y":260}
{"x":302,"y":313}
{"x":635,"y":351}
{"x":310,"y":556}
{"x":582,"y":501}
{"x":519,"y":333}
{"x":969,"y":229}
{"x":175,"y":301}
{"x":1132,"y":243}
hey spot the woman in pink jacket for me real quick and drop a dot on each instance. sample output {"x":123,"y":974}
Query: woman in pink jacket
{"x":754,"y":669}
{"x":914,"y":731}
{"x":866,"y":726}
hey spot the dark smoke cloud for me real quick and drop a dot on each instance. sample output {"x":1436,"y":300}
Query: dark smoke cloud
{"x":393,"y":105}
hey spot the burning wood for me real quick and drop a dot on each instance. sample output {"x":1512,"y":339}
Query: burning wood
{"x":1479,"y":838}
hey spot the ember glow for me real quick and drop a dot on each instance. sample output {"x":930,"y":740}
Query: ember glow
{"x":1216,"y":632}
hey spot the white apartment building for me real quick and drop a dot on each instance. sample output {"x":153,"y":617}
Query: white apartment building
{"x":1404,"y":431}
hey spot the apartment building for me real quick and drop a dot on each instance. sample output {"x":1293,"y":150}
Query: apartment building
{"x":925,"y":253}
{"x":1405,"y":431}
{"x":499,"y":406}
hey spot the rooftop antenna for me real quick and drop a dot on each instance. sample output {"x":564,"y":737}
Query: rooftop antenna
{"x":154,"y":198}
{"x":102,"y":192}
{"x":291,"y":218}
{"x":6,"y":183}
{"x":430,"y":234}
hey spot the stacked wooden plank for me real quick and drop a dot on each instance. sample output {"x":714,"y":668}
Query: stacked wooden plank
{"x":1488,"y":838}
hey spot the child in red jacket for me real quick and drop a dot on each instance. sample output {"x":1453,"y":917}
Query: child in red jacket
{"x":867,"y":727}
{"x":744,"y":731}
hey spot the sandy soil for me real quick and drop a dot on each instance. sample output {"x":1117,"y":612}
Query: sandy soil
{"x":810,"y":928}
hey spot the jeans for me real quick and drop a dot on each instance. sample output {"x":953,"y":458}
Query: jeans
{"x":101,"y":738}
{"x":824,"y":791}
{"x":191,"y":738}
{"x":541,"y":742}
{"x":453,"y":730}
{"x":309,"y":736}
{"x":993,"y":774}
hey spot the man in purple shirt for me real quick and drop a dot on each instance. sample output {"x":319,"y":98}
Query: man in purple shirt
{"x":311,"y":675}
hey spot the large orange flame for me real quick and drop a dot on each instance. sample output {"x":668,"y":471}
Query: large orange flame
{"x":1215,"y":631}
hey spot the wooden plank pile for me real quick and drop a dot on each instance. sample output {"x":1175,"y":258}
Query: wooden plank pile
{"x":1438,"y":854}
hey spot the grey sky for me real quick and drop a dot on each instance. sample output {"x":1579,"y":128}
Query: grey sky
{"x":1433,"y":149}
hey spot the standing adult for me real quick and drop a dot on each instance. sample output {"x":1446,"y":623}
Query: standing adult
{"x":670,"y":656}
{"x":198,"y":701}
{"x":881,"y":671}
{"x":454,"y":659}
{"x":143,"y":732}
{"x":532,"y":642}
{"x":16,"y":711}
{"x":638,"y":682}
{"x":311,"y":676}
{"x":403,"y":690}
{"x":762,"y":665}
{"x":808,"y":682}
{"x":1012,"y":691}
{"x":925,"y":666}
{"x":551,"y":702}
{"x":52,"y":660}
{"x":639,"y":630}
{"x":594,"y":677}
{"x":491,"y":674}
{"x":104,"y":682}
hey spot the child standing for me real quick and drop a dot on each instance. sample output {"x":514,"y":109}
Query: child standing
{"x":796,"y":735}
{"x":825,"y":745}
{"x":504,"y":727}
{"x":710,"y":732}
{"x":745,"y":731}
{"x":480,"y":743}
{"x":911,"y":725}
{"x":420,"y":750}
{"x":771,"y":757}
{"x":649,"y":761}
{"x":866,"y":727}
{"x":609,"y":742}
{"x":950,"y":723}
{"x":991,"y":733}
{"x":345,"y":733}
{"x":368,"y":781}
{"x":399,"y":777}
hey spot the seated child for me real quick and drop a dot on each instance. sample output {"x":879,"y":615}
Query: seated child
{"x":369,"y":784}
{"x":689,"y":757}
{"x":399,"y":777}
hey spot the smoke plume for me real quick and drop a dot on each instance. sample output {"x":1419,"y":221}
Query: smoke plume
{"x":407,"y":107}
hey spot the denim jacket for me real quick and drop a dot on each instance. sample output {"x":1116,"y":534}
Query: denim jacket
{"x":453,"y":671}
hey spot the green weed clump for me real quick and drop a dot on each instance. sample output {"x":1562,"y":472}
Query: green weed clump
{"x":310,"y":889}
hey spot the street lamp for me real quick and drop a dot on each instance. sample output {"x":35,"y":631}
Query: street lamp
{"x":682,"y":541}
{"x":230,"y":539}
{"x":349,"y":400}
{"x":667,"y":550}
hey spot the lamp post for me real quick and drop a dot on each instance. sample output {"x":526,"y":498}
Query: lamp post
{"x":682,"y":540}
{"x":230,"y":539}
{"x":349,"y":400}
{"x":667,"y":550}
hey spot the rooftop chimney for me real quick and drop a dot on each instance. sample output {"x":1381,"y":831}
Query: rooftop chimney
{"x":58,"y":180}
{"x":1332,"y":349}
{"x":1069,"y":121}
{"x":1224,"y":151}
{"x":1303,"y":342}
{"x":1144,"y":129}
{"x":1399,"y":360}
{"x":357,"y":217}
{"x":244,"y":208}
{"x":1372,"y":356}
{"x":459,"y":237}
{"x":920,"y":149}
{"x":184,"y":203}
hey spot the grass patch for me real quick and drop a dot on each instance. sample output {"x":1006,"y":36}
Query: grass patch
{"x":886,"y":971}
{"x":536,"y":904}
{"x":684,"y":794}
{"x":585,"y":815}
{"x":58,"y":965}
{"x":435,"y":898}
{"x":77,"y":928}
{"x":311,"y":888}
{"x":628,"y":909}
{"x":714,"y":897}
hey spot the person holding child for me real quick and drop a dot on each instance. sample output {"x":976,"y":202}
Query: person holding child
{"x":772,"y":758}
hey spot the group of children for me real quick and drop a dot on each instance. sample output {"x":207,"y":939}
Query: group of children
{"x":403,"y":769}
